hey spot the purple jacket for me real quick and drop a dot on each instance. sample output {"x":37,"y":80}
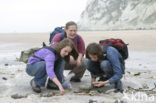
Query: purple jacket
{"x":49,"y":57}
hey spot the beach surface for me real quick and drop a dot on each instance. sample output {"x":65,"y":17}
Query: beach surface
{"x":139,"y":80}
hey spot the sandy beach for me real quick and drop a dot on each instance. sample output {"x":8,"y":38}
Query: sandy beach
{"x":139,"y":79}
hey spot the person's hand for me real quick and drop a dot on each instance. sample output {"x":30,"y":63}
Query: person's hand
{"x":61,"y":91}
{"x":98,"y":84}
{"x":72,"y":60}
{"x":92,"y":81}
{"x":101,"y":83}
{"x":78,"y":63}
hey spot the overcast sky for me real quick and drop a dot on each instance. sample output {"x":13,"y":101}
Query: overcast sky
{"x":38,"y":15}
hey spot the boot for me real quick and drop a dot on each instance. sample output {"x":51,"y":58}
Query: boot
{"x":118,"y":86}
{"x":35,"y":87}
{"x":51,"y":85}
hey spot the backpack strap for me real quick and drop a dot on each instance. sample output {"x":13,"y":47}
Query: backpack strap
{"x":104,"y":50}
{"x":46,"y":47}
{"x":50,"y":48}
{"x":77,"y":39}
{"x":62,"y":35}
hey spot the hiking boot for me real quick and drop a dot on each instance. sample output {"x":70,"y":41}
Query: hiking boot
{"x":75,"y":80}
{"x":51,"y":85}
{"x":118,"y":86}
{"x":35,"y":87}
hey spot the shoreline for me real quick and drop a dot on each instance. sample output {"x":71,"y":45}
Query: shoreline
{"x":142,"y":40}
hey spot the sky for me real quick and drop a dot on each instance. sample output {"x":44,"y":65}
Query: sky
{"x":24,"y":16}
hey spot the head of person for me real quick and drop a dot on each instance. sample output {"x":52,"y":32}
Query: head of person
{"x":65,"y":48}
{"x":94,"y":52}
{"x":71,"y":29}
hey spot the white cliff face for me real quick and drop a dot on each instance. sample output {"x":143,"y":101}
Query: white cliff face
{"x":118,"y":15}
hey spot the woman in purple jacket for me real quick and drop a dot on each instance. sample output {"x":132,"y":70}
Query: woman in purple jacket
{"x":47,"y":64}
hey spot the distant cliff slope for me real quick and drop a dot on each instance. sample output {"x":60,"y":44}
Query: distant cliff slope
{"x":118,"y":15}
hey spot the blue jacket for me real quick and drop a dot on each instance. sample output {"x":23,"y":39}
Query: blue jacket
{"x":114,"y":57}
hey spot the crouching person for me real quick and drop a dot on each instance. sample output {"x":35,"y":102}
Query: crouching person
{"x":106,"y":63}
{"x":76,"y":66}
{"x":48,"y":63}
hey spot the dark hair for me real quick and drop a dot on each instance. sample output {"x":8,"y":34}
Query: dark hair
{"x":94,"y":49}
{"x":63,"y":43}
{"x":69,"y":24}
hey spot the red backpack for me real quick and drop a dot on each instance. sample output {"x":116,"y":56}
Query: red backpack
{"x":118,"y":44}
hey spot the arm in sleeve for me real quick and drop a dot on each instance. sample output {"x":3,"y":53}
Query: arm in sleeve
{"x":50,"y":62}
{"x":113,"y":57}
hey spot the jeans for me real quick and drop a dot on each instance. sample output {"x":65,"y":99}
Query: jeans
{"x":99,"y":69}
{"x":38,"y":70}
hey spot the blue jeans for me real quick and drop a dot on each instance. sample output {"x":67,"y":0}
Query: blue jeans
{"x":38,"y":70}
{"x":98,"y":69}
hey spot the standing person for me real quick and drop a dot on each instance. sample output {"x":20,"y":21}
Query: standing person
{"x":76,"y":66}
{"x":104,"y":61}
{"x":46,"y":63}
